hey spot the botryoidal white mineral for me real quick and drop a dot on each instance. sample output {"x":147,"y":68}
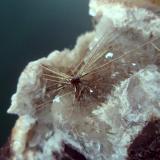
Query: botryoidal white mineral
{"x":102,"y":131}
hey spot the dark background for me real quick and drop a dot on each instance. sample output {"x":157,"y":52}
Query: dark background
{"x":29,"y":30}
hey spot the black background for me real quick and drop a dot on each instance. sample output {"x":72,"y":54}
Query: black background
{"x":31,"y":29}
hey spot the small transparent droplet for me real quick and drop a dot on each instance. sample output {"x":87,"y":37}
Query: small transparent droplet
{"x":109,"y":55}
{"x":91,"y":91}
{"x":133,"y":64}
{"x":56,"y":99}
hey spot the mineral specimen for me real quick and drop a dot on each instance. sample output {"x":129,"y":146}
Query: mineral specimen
{"x":111,"y":90}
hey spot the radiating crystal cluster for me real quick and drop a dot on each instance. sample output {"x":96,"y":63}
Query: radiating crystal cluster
{"x":104,"y":129}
